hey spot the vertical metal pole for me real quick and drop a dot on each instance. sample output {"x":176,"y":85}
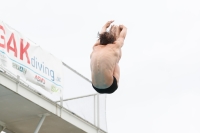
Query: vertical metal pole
{"x":40,"y":124}
{"x":61,"y":103}
{"x":18,"y":78}
{"x":94,"y":110}
{"x":98,"y":111}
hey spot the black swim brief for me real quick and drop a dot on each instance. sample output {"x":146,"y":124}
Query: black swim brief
{"x":108,"y":90}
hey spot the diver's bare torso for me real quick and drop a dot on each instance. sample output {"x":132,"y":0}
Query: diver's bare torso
{"x":103,"y":61}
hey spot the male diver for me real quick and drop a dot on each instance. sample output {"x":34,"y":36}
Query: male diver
{"x":105,"y":71}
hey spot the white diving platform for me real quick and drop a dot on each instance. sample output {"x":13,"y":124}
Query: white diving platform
{"x":23,"y":110}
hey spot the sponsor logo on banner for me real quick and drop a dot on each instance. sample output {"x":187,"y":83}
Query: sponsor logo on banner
{"x":19,"y":68}
{"x":39,"y":79}
{"x":54,"y":89}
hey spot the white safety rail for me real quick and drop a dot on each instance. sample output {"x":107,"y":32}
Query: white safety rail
{"x":79,"y":106}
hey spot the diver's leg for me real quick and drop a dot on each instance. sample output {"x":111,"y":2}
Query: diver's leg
{"x":116,"y":73}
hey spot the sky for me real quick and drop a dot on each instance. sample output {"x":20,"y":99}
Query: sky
{"x":159,"y":87}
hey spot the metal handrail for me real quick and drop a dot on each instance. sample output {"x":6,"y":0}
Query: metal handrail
{"x":78,"y":97}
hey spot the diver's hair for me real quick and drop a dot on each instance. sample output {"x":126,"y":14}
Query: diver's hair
{"x":106,"y":38}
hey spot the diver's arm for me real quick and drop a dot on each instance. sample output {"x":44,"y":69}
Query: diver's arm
{"x":122,"y":36}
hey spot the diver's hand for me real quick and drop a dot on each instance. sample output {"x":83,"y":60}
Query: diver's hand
{"x":108,"y":24}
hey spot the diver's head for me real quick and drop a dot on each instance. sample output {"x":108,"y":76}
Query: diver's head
{"x":110,"y":36}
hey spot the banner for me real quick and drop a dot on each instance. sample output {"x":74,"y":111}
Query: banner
{"x":22,"y":57}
